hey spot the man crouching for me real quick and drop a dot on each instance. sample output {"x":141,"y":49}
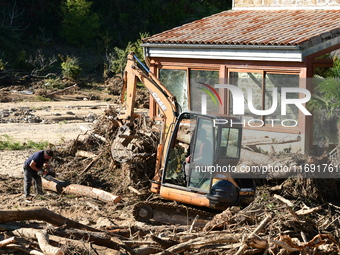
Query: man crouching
{"x":33,"y":169}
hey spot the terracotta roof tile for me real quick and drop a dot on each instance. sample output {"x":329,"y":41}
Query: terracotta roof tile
{"x":255,"y":27}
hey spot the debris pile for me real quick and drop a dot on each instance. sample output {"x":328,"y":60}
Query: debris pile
{"x":88,"y":159}
{"x":272,"y":224}
{"x":27,"y":115}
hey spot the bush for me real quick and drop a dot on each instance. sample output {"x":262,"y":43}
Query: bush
{"x":70,"y":67}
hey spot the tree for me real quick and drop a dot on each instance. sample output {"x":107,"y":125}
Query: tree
{"x":79,"y":25}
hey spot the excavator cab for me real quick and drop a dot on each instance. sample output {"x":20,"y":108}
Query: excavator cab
{"x":201,"y":163}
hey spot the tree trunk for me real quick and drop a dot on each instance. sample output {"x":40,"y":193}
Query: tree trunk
{"x":40,"y":213}
{"x":101,"y":239}
{"x":53,"y":184}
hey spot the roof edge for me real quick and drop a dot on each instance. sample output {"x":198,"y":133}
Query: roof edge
{"x":220,"y":46}
{"x":282,"y":8}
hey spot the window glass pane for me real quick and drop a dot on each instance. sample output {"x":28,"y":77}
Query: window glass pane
{"x":199,"y":79}
{"x":176,"y":170}
{"x":203,"y":155}
{"x":229,"y":144}
{"x":253,"y":83}
{"x":176,"y":82}
{"x":280,"y":81}
{"x":204,"y":149}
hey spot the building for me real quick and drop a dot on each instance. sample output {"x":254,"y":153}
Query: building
{"x":261,"y":46}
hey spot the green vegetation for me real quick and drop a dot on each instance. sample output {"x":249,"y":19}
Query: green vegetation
{"x":327,"y":92}
{"x":94,"y":35}
{"x":327,"y":99}
{"x":8,"y":143}
{"x":79,"y":23}
{"x":41,"y":98}
{"x":70,"y":67}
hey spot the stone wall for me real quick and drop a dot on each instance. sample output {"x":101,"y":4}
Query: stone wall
{"x":285,"y":3}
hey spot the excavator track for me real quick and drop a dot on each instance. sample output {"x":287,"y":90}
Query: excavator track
{"x":170,"y":213}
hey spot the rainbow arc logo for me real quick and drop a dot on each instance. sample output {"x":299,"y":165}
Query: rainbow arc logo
{"x":213,"y":94}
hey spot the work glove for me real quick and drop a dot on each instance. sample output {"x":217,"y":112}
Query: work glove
{"x":40,"y":173}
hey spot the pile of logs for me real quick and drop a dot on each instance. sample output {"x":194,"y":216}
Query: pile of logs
{"x":270,"y":225}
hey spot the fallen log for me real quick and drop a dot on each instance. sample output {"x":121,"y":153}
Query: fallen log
{"x":7,"y":241}
{"x":40,"y":213}
{"x":61,"y":187}
{"x":259,"y":228}
{"x":132,"y":189}
{"x":308,"y":211}
{"x":99,"y":238}
{"x":75,"y":86}
{"x":87,"y":247}
{"x":46,"y":248}
{"x":23,"y":249}
{"x":85,"y":154}
{"x":282,"y":199}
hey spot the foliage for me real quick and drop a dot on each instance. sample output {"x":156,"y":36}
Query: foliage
{"x":2,"y":65}
{"x":8,"y":143}
{"x":116,"y":61}
{"x":70,"y":67}
{"x":335,"y":70}
{"x":71,"y":27}
{"x":80,"y":24}
{"x":327,"y":91}
{"x":327,"y":94}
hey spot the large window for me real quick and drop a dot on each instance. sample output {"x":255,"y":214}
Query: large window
{"x":177,"y":83}
{"x":258,"y":90}
{"x":189,"y":96}
{"x":194,"y":88}
{"x":247,"y":81}
{"x":280,"y":81}
{"x":202,"y":83}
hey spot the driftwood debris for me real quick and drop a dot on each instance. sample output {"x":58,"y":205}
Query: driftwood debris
{"x":102,"y":240}
{"x":56,"y":185}
{"x":18,"y":247}
{"x":7,"y":241}
{"x":47,"y":249}
{"x":86,"y":154}
{"x":73,"y":87}
{"x":40,"y":213}
{"x":268,"y":140}
{"x":284,"y":200}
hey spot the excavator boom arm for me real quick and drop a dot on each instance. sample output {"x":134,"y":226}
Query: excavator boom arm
{"x":166,"y":101}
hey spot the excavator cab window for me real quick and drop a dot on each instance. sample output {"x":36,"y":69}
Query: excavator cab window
{"x":179,"y":150}
{"x":202,"y":154}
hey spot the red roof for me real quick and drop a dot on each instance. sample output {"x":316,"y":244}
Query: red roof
{"x":256,"y":27}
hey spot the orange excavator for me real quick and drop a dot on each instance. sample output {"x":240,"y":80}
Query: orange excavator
{"x":196,"y":157}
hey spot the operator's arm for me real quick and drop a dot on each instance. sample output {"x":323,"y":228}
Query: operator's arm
{"x":33,"y":165}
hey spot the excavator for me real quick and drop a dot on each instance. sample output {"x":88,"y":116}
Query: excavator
{"x":194,"y":156}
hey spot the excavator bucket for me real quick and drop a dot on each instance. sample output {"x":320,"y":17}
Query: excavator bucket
{"x":129,"y":146}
